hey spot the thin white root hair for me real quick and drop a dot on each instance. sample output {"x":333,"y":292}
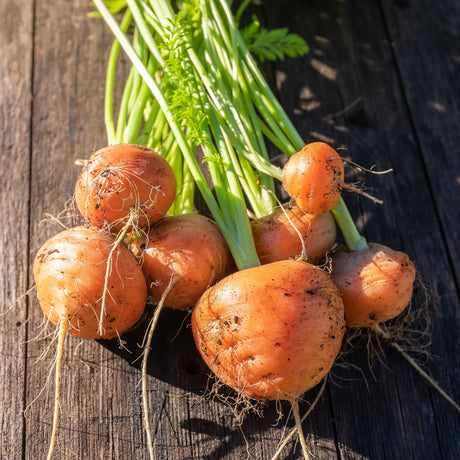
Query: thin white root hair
{"x":299,"y":234}
{"x":56,"y":219}
{"x":342,"y":112}
{"x":369,"y":170}
{"x":63,"y":324}
{"x":67,"y":217}
{"x":352,"y":188}
{"x":55,"y":336}
{"x":295,"y":430}
{"x":298,"y":423}
{"x":151,"y":329}
{"x":384,"y":335}
{"x":120,"y":237}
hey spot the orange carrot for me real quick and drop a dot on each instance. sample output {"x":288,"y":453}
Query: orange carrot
{"x":72,"y":278}
{"x":376,"y":283}
{"x":271,"y":332}
{"x":191,"y":250}
{"x":121,"y":180}
{"x":314,"y":177}
{"x":70,"y":275}
{"x":289,"y":232}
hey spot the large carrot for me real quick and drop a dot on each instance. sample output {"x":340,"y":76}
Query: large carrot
{"x":271,"y":332}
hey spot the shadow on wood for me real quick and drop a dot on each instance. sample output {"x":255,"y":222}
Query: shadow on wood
{"x":173,"y":358}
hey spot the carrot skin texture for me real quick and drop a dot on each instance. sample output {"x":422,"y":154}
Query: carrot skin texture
{"x":72,"y":265}
{"x":270,"y":332}
{"x":376,"y":284}
{"x":276,"y":238}
{"x":122,"y":178}
{"x":191,"y":249}
{"x":313,"y":177}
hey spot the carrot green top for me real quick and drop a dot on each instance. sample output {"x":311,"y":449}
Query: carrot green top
{"x":195,"y":84}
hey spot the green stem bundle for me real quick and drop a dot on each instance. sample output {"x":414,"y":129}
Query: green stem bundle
{"x":195,"y":84}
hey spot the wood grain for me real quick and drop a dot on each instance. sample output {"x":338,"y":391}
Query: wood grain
{"x":380,"y":84}
{"x":16,"y":38}
{"x":353,"y":59}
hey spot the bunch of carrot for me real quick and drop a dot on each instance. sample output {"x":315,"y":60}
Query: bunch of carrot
{"x":268,"y":317}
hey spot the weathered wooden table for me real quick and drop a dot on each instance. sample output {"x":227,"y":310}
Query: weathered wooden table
{"x":382,"y":81}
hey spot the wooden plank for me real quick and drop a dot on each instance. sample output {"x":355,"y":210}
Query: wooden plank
{"x":15,"y":103}
{"x":99,"y":392}
{"x":389,"y":413}
{"x":414,"y":208}
{"x":427,"y":56}
{"x":427,"y":51}
{"x":351,"y":65}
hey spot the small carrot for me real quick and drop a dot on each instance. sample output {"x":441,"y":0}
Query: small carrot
{"x":70,"y":272}
{"x":289,"y":233}
{"x":123,"y":180}
{"x":376,"y":284}
{"x":189,"y":249}
{"x":314,"y":177}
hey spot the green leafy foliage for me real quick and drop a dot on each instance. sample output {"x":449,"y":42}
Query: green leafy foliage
{"x":272,"y":44}
{"x":184,"y":93}
{"x":191,"y":17}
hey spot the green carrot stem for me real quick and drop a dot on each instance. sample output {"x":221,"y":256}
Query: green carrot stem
{"x":136,"y":115}
{"x":240,"y":10}
{"x":158,"y":130}
{"x":110,"y":78}
{"x":274,"y":139}
{"x":186,"y":195}
{"x":235,"y":197}
{"x":353,"y":240}
{"x":140,"y":49}
{"x":243,"y":259}
{"x":123,"y":110}
{"x":154,"y":116}
{"x":282,"y":131}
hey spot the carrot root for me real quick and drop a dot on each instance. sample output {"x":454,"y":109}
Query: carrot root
{"x":150,"y":331}
{"x":295,"y":430}
{"x":298,"y":423}
{"x":63,"y":324}
{"x":352,"y":188}
{"x":384,"y":335}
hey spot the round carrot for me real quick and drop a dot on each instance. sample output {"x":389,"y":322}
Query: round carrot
{"x":190,"y":250}
{"x":72,"y":280}
{"x":314,"y":177}
{"x":271,"y":332}
{"x":288,"y":232}
{"x":70,"y":275}
{"x":376,"y":284}
{"x":123,"y":179}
